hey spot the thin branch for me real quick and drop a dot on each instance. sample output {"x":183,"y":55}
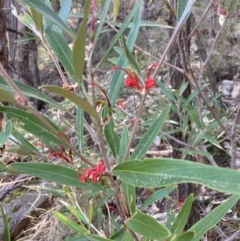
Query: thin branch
{"x":234,"y":139}
{"x":135,"y":126}
{"x":234,"y":236}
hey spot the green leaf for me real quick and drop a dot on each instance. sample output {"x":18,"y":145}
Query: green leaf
{"x":182,"y":217}
{"x":185,"y":236}
{"x":147,"y":226}
{"x":53,"y":173}
{"x":79,"y":127}
{"x":194,"y":118}
{"x":75,"y":99}
{"x":123,"y":144}
{"x":166,"y":91}
{"x":80,"y":43}
{"x":145,"y":23}
{"x":24,"y":142}
{"x":47,"y":12}
{"x":116,"y":7}
{"x":27,"y":20}
{"x":117,"y":77}
{"x":159,"y":172}
{"x":127,"y":237}
{"x":181,"y":5}
{"x":31,"y":124}
{"x":93,"y":237}
{"x":131,"y":59}
{"x":129,"y":193}
{"x":136,"y":13}
{"x":37,"y":19}
{"x":3,"y":168}
{"x":69,"y":223}
{"x":29,"y":91}
{"x":212,"y":218}
{"x":6,"y":96}
{"x":20,"y":150}
{"x":5,"y":224}
{"x":5,"y":133}
{"x":150,"y":135}
{"x":112,"y":138}
{"x":78,"y":213}
{"x":61,"y":49}
{"x":64,"y":12}
{"x":196,"y":152}
{"x":158,"y":195}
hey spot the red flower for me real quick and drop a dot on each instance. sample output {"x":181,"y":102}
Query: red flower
{"x":131,"y":80}
{"x":92,"y":173}
{"x":150,"y":82}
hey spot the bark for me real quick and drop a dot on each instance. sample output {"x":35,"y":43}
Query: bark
{"x":23,"y":56}
{"x":178,"y":56}
{"x":3,"y":55}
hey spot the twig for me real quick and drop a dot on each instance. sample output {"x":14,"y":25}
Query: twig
{"x":233,"y":139}
{"x":149,"y":54}
{"x":234,"y":236}
{"x":174,"y":34}
{"x":200,"y":20}
{"x":135,"y":126}
{"x":211,"y":50}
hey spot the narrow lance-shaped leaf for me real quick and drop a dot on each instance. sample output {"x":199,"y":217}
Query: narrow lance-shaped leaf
{"x":158,"y":195}
{"x":212,"y":218}
{"x":129,"y":197}
{"x":116,"y":6}
{"x":5,"y":133}
{"x":69,"y":223}
{"x":38,"y":20}
{"x":159,"y":172}
{"x":131,"y":59}
{"x":6,"y":96}
{"x":123,"y":144}
{"x":5,"y":224}
{"x":54,"y":173}
{"x":32,"y":124}
{"x":63,"y":12}
{"x":61,"y":49}
{"x":112,"y":138}
{"x":150,"y":135}
{"x":27,"y":20}
{"x":28,"y":91}
{"x":117,"y":77}
{"x":80,"y":43}
{"x":75,"y":99}
{"x":47,"y":12}
{"x":79,"y":127}
{"x":136,"y":13}
{"x":93,"y":237}
{"x":188,"y":236}
{"x":182,"y":217}
{"x":147,"y":226}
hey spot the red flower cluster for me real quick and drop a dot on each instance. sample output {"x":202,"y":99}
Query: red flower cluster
{"x":132,"y":79}
{"x":92,"y":173}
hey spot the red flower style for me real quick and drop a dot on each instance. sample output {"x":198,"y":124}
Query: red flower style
{"x":92,"y":173}
{"x":150,"y":82}
{"x":131,"y":80}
